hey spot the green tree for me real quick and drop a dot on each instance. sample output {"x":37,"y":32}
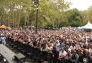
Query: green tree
{"x":21,"y":13}
{"x":74,"y":17}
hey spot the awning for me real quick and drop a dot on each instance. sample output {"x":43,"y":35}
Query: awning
{"x":3,"y":26}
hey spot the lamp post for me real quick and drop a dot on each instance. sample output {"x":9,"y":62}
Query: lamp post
{"x":36,"y":5}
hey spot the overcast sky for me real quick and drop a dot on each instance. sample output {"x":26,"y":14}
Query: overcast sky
{"x":81,"y":4}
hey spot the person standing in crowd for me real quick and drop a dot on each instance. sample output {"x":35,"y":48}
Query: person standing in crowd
{"x":3,"y":39}
{"x":84,"y":58}
{"x":62,"y":54}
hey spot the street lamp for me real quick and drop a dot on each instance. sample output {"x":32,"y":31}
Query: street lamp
{"x":36,"y":5}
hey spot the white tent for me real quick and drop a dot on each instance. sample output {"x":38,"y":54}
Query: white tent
{"x":87,"y":26}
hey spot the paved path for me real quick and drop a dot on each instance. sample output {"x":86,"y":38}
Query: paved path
{"x":7,"y":53}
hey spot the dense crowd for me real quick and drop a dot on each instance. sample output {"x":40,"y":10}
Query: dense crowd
{"x":68,"y":43}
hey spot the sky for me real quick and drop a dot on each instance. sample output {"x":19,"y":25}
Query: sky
{"x":80,"y":4}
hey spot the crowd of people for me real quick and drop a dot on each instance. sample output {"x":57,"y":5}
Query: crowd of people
{"x":68,"y":44}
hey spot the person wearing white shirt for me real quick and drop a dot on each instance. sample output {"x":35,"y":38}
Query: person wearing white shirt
{"x":3,"y":40}
{"x":62,"y":53}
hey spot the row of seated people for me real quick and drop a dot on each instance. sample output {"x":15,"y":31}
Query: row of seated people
{"x":53,"y":56}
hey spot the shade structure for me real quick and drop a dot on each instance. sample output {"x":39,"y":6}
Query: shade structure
{"x":3,"y":27}
{"x":87,"y":26}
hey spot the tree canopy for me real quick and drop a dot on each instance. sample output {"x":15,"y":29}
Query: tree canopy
{"x":51,"y":13}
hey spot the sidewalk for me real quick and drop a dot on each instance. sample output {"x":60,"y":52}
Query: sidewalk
{"x":7,"y":53}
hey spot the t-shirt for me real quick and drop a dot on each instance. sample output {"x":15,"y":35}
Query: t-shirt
{"x":64,"y":53}
{"x":3,"y":39}
{"x":56,"y":53}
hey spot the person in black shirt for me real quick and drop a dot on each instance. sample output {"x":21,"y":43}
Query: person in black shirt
{"x":55,"y":55}
{"x":84,"y":58}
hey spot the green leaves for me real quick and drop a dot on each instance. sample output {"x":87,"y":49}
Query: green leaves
{"x":74,"y":17}
{"x":22,"y":13}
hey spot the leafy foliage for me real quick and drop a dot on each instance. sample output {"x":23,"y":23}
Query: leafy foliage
{"x":52,"y":13}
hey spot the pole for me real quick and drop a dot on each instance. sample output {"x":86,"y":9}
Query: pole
{"x":36,"y":5}
{"x":36,"y":22}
